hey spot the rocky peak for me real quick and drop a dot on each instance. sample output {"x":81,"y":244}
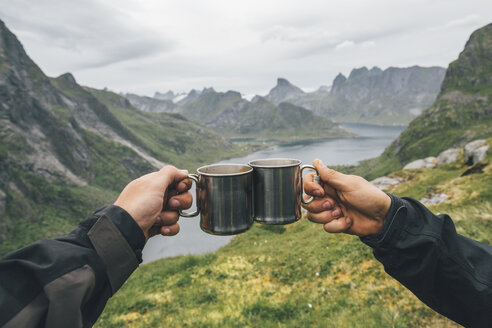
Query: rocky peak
{"x":473,"y":68}
{"x":283,"y":91}
{"x":68,"y":81}
{"x":164,"y":96}
{"x":375,"y":69}
{"x":338,"y":82}
{"x":356,"y":72}
{"x":207,"y":90}
{"x":281,"y":82}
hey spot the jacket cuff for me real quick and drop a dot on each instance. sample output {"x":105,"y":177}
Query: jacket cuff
{"x":393,"y":225}
{"x":127,"y":226}
{"x":118,"y":240}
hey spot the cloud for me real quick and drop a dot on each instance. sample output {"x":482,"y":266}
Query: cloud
{"x":469,"y":20}
{"x":345,"y":44}
{"x":368,"y":44}
{"x":141,"y":46}
{"x":86,"y":34}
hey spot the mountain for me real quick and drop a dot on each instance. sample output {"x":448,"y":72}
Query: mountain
{"x":165,"y":96}
{"x":228,"y":113}
{"x":151,"y":104}
{"x":462,"y":111}
{"x":391,"y":96}
{"x":193,"y":94}
{"x":284,"y":91}
{"x":66,"y":150}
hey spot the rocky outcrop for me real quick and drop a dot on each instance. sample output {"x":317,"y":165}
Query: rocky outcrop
{"x":421,"y":163}
{"x":384,"y":183}
{"x":434,"y":199}
{"x":476,"y":151}
{"x":448,"y":156}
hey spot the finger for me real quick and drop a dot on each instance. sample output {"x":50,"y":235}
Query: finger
{"x":167,"y":218}
{"x":329,"y":176}
{"x":180,"y":202}
{"x":169,"y":175}
{"x":170,"y":230}
{"x":184,"y":185}
{"x":324,"y":217}
{"x":342,"y":224}
{"x":311,"y":187}
{"x":319,"y":204}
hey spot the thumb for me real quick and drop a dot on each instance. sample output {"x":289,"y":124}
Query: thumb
{"x":330,"y":176}
{"x":338,"y":225}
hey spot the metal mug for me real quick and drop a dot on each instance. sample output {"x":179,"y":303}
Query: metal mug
{"x":278,"y":189}
{"x":224,"y":198}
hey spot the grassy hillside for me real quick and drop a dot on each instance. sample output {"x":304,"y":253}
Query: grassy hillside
{"x":169,"y":137}
{"x":298,"y":275}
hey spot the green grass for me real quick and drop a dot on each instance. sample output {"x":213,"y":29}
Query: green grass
{"x":270,"y":275}
{"x":46,"y":210}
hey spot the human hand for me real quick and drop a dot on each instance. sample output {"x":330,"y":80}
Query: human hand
{"x":345,"y":203}
{"x":153,"y":200}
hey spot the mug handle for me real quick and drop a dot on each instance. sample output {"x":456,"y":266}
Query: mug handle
{"x":184,"y":214}
{"x":302,"y":183}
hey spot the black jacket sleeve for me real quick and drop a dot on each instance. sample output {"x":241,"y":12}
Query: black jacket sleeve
{"x":66,"y":282}
{"x":450,"y":273}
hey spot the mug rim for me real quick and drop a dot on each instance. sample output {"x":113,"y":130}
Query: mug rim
{"x":200,"y":169}
{"x":296,"y":162}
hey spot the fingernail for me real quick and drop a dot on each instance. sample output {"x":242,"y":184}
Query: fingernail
{"x":327,"y":204}
{"x":174,"y":203}
{"x":320,"y":162}
{"x":184,"y":171}
{"x":317,"y":192}
{"x":167,"y":231}
{"x":348,"y":221}
{"x":158,"y":220}
{"x":336,"y":212}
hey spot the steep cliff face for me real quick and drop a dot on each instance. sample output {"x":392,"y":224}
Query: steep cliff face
{"x":393,"y":96}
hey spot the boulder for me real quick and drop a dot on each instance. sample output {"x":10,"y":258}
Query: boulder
{"x":448,"y":156}
{"x":433,"y":199}
{"x":421,"y":164}
{"x":384,"y":183}
{"x":479,"y":154}
{"x":471,"y":146}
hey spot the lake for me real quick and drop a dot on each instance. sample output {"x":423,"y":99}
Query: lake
{"x":371,"y":142}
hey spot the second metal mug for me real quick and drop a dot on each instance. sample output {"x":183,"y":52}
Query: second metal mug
{"x":277,"y":190}
{"x":224,"y":198}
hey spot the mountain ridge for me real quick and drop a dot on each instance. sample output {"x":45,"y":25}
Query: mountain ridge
{"x":392,"y":96}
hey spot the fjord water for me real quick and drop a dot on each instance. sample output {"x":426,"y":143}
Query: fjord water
{"x":370,"y":142}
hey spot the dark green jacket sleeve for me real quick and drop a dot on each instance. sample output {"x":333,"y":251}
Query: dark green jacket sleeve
{"x":450,"y":273}
{"x":66,"y":282}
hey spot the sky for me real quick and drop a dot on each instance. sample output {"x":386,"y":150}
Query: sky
{"x":143,"y":46}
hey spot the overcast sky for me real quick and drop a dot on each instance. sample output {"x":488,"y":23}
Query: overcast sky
{"x":144,"y":46}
